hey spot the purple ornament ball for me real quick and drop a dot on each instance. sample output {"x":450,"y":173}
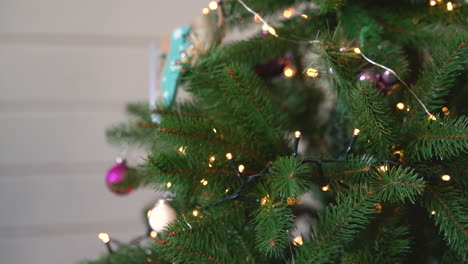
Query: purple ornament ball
{"x":388,"y":78}
{"x":116,"y":175}
{"x":369,"y":76}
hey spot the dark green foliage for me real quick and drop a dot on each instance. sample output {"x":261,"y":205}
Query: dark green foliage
{"x":373,"y":118}
{"x":252,"y":52}
{"x":440,"y":73}
{"x":272,"y":224}
{"x":337,"y":226}
{"x":214,"y":236}
{"x":389,"y":247}
{"x":355,"y":170}
{"x":448,"y":207}
{"x":330,"y":5}
{"x":441,"y":139}
{"x":130,"y":255}
{"x":397,"y":184}
{"x":236,"y":97}
{"x":289,"y":177}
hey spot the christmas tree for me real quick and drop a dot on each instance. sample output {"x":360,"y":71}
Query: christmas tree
{"x":359,"y":104}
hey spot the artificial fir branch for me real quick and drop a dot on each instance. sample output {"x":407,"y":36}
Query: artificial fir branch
{"x":205,"y":256}
{"x":441,"y":140}
{"x":272,"y":222}
{"x":441,"y":72}
{"x":211,"y":140}
{"x":338,"y":225}
{"x":447,"y":206}
{"x":289,"y":177}
{"x":373,"y":118}
{"x":397,"y":184}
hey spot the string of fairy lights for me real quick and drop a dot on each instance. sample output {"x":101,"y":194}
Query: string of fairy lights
{"x":289,"y":72}
{"x":236,"y":195}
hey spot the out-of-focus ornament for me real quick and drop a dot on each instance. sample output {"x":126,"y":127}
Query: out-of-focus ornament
{"x":377,"y":79}
{"x":388,"y":78}
{"x":185,"y":45}
{"x":117,"y":175}
{"x":161,"y":215}
{"x":369,"y":76}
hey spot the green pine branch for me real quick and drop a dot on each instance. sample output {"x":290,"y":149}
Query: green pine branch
{"x":272,"y":224}
{"x":212,"y":236}
{"x":397,"y":184}
{"x":390,"y":245}
{"x":440,"y":139}
{"x":448,"y":207}
{"x":289,"y":177}
{"x":333,"y":6}
{"x":237,"y":99}
{"x":439,"y":74}
{"x":337,"y":226}
{"x":355,"y":170}
{"x":373,"y":118}
{"x":129,"y":255}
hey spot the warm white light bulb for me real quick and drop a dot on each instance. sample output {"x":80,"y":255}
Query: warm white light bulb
{"x":383,"y":168}
{"x":241,"y":168}
{"x":357,"y":50}
{"x":195,"y":213}
{"x":297,"y":134}
{"x":183,"y":150}
{"x":356,"y":131}
{"x":229,"y":156}
{"x":288,"y":12}
{"x":445,"y":177}
{"x":204,"y":182}
{"x":153,"y":234}
{"x":432,"y":3}
{"x":400,"y":106}
{"x":213,"y":5}
{"x":289,"y":72}
{"x":272,"y":31}
{"x":311,"y":72}
{"x":205,"y":11}
{"x":325,"y":188}
{"x":449,"y":6}
{"x":104,"y":237}
{"x":297,"y":241}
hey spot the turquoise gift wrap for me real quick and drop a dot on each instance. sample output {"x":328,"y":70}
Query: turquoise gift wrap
{"x":172,"y":72}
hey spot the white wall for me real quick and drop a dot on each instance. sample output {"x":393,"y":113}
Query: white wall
{"x":66,"y":70}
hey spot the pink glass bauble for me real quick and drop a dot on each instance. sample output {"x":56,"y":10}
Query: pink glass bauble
{"x":116,"y":175}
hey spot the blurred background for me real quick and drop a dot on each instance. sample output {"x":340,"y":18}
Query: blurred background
{"x":67,"y":68}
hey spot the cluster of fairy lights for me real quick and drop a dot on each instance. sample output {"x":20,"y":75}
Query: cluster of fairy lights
{"x":239,"y":169}
{"x":290,"y":72}
{"x":311,"y":72}
{"x":449,"y":6}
